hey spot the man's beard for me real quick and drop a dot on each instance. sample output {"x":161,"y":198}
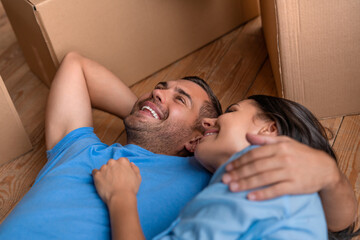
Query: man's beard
{"x":162,"y":138}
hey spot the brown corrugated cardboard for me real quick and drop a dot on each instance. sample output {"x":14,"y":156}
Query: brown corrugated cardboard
{"x":13,"y":139}
{"x":132,"y":38}
{"x":314,"y":49}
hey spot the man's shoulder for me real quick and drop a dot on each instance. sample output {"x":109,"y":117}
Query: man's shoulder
{"x":76,"y":139}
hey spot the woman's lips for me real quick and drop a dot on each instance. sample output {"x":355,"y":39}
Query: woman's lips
{"x":211,"y":132}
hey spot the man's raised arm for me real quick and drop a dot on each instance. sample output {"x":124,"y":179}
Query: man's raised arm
{"x":80,"y":84}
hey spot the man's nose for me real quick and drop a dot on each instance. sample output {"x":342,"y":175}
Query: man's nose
{"x":208,"y":122}
{"x":160,"y":95}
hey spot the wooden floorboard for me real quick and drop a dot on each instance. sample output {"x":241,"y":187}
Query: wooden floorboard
{"x":235,"y":66}
{"x":16,"y":177}
{"x":347,"y":149}
{"x":264,"y":83}
{"x":236,"y":72}
{"x":332,"y":127}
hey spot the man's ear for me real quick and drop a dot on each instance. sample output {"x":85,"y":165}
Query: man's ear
{"x":191,"y":145}
{"x":269,"y":129}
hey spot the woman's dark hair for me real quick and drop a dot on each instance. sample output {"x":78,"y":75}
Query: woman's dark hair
{"x":294,"y":120}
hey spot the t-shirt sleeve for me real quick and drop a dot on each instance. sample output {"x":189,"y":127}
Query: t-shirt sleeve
{"x":71,"y":139}
{"x":225,"y":215}
{"x":72,"y":144}
{"x":291,"y":217}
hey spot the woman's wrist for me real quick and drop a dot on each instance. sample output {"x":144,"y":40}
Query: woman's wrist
{"x":121,"y":198}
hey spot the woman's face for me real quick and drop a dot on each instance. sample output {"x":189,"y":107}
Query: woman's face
{"x":226,"y":135}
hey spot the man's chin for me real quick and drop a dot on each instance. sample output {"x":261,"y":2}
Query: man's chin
{"x":141,"y":123}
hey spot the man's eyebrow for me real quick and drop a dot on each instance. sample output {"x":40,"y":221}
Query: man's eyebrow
{"x":182,"y":92}
{"x":162,"y":84}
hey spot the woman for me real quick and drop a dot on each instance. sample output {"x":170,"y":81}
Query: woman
{"x":217,"y":213}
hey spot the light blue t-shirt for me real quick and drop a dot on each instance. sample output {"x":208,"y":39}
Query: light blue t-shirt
{"x":63,"y":202}
{"x":217,"y":213}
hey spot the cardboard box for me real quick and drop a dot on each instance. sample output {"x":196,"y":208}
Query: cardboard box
{"x":14,"y":141}
{"x":314,"y":50}
{"x":132,"y":38}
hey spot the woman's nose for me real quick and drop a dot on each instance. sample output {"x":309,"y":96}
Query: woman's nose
{"x":208,"y":122}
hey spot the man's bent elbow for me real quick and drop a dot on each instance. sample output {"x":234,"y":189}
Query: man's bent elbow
{"x":72,"y":56}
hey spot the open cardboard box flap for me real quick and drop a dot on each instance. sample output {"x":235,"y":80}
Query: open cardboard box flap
{"x":132,"y":38}
{"x":14,"y":141}
{"x":314,"y":50}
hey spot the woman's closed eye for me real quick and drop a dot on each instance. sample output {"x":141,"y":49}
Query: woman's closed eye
{"x":232,"y":108}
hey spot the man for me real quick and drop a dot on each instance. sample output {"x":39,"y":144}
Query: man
{"x":163,"y":125}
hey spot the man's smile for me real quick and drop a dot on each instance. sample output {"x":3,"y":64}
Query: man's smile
{"x":153,"y":109}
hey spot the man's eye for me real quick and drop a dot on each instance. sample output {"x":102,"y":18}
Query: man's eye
{"x":181,"y":99}
{"x":159,"y":87}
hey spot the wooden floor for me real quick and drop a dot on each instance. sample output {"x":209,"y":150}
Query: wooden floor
{"x":235,"y":66}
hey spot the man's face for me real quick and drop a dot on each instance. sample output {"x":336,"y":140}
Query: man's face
{"x":164,"y":120}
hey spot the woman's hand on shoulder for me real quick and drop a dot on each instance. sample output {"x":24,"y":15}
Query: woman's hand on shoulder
{"x":116,"y":178}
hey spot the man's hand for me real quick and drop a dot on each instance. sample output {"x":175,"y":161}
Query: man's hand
{"x":117,"y":178}
{"x":283,"y":166}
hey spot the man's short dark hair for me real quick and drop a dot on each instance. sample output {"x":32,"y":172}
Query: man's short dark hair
{"x":212,"y":109}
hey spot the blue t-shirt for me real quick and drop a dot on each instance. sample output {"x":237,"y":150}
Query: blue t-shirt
{"x":63,"y":202}
{"x":217,"y":213}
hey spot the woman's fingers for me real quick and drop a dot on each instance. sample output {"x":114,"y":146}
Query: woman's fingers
{"x":135,"y":169}
{"x":94,"y":172}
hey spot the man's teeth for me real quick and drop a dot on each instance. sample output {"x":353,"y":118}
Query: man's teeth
{"x":151,"y":111}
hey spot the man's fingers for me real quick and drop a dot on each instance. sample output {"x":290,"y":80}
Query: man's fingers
{"x":266,"y":151}
{"x":273,"y":191}
{"x":253,"y":168}
{"x":256,"y":139}
{"x":260,"y":180}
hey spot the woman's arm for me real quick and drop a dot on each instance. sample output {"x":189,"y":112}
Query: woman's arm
{"x":117,"y":183}
{"x":124,"y":218}
{"x":285,"y":166}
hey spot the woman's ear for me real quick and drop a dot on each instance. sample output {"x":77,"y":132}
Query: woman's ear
{"x":191,"y":145}
{"x":269,"y":128}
